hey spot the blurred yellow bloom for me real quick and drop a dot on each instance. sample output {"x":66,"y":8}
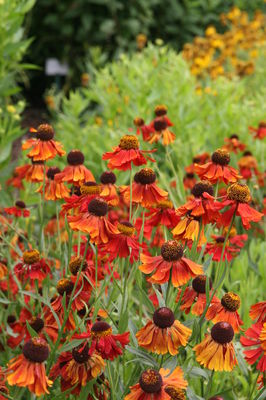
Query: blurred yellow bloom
{"x":11,"y":109}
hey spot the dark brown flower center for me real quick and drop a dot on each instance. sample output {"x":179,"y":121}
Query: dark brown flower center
{"x":221,"y":157}
{"x":220,"y":239}
{"x":37,"y":162}
{"x":20,"y":204}
{"x":75,"y":265}
{"x":100,"y":329}
{"x":239,"y":192}
{"x":171,"y":250}
{"x":36,"y":350}
{"x":222,"y":332}
{"x":52,"y":171}
{"x":247,"y":153}
{"x":151,"y":381}
{"x":190,"y":175}
{"x":126,"y":228}
{"x":98,"y":207}
{"x":90,"y":188}
{"x":201,"y":187}
{"x":145,"y":176}
{"x":159,"y":124}
{"x":138,"y":121}
{"x":175,"y":393}
{"x":234,"y":136}
{"x":262,"y":124}
{"x":129,"y":142}
{"x":37,"y":324}
{"x":160,"y":110}
{"x":11,"y":319}
{"x":81,"y":353}
{"x":45,"y":132}
{"x":108,"y":177}
{"x":31,"y":256}
{"x":199,"y":284}
{"x":196,"y":160}
{"x":231,"y":301}
{"x":163,"y":317}
{"x":75,"y":157}
{"x":64,"y":285}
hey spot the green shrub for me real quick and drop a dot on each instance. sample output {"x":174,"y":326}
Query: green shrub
{"x":12,"y":49}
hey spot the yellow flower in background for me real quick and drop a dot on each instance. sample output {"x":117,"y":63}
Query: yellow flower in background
{"x":11,"y":109}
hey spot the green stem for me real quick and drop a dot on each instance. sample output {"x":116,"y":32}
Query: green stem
{"x":130,"y":188}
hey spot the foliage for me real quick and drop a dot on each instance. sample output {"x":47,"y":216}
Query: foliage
{"x":12,"y":49}
{"x":132,"y":86}
{"x":113,"y":26}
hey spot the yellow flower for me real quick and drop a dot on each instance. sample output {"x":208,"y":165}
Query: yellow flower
{"x":11,"y":109}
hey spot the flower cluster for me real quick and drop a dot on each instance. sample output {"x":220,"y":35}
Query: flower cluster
{"x":121,"y":287}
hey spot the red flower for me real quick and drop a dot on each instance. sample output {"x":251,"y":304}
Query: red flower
{"x":201,"y":205}
{"x":238,"y":197}
{"x":189,"y":181}
{"x":44,"y":147}
{"x":124,"y":244}
{"x":233,"y":144}
{"x":255,"y":337}
{"x":258,"y":311}
{"x":162,"y":214}
{"x":144,"y":189}
{"x":94,"y":222}
{"x":170,"y":260}
{"x":77,"y":367}
{"x":32,"y":267}
{"x":260,"y":132}
{"x":232,"y":247}
{"x":75,"y":173}
{"x":217,"y":169}
{"x":127,"y":153}
{"x":19,"y":210}
{"x":141,"y":127}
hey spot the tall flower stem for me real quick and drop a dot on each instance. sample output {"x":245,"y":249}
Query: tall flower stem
{"x":130,"y":188}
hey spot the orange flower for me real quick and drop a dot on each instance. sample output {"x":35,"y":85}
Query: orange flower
{"x":144,"y":189}
{"x":195,"y":296}
{"x":35,"y":171}
{"x":94,"y":222}
{"x":260,"y":132}
{"x":162,"y":385}
{"x":248,"y":165}
{"x":32,"y":267}
{"x":126,"y":153}
{"x":170,"y":260}
{"x":199,"y":159}
{"x":188,"y":229}
{"x":159,"y":130}
{"x":77,"y":367}
{"x":53,"y":190}
{"x":216,"y":352}
{"x":75,"y":173}
{"x":163,"y":334}
{"x":3,"y":269}
{"x":233,"y":144}
{"x":226,"y":310}
{"x":238,"y":197}
{"x":28,"y":370}
{"x":108,"y":188}
{"x":258,"y":311}
{"x":217,"y":169}
{"x":44,"y":147}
